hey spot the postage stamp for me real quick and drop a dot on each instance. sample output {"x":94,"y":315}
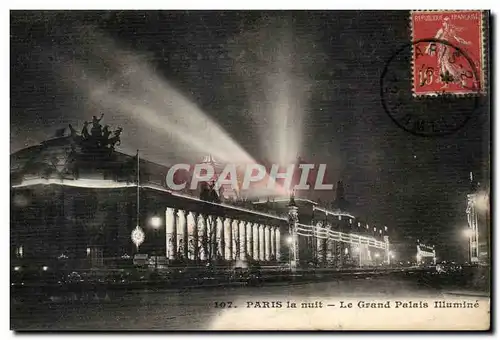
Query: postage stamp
{"x":448,"y":52}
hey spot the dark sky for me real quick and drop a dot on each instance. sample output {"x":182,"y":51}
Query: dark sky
{"x":416,"y":186}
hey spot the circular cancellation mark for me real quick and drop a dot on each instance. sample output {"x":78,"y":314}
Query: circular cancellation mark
{"x":442,"y":112}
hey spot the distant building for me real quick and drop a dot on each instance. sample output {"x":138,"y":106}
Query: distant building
{"x":479,"y":223}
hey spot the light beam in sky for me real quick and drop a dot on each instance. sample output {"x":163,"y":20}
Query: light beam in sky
{"x":156,"y":116}
{"x":277,"y":86}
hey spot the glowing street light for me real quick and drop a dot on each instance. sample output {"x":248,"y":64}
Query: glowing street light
{"x":156,"y":222}
{"x":468,"y":232}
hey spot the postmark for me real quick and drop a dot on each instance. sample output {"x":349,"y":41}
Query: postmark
{"x":443,"y":65}
{"x":439,"y":113}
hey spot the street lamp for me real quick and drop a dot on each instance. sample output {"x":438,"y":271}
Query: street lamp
{"x":468,"y":232}
{"x":156,"y":222}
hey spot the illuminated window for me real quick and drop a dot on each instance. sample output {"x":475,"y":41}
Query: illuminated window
{"x":359,"y":224}
{"x":350,"y":221}
{"x":386,"y":228}
{"x":340,"y":218}
{"x":88,"y":251}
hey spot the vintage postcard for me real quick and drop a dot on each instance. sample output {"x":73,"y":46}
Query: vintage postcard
{"x":250,"y":170}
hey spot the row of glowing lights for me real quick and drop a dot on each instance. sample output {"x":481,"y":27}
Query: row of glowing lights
{"x":367,"y":226}
{"x":350,"y":220}
{"x":289,"y":240}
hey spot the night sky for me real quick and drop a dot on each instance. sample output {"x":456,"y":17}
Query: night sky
{"x":416,"y":186}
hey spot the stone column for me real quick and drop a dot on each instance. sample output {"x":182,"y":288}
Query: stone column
{"x":236,"y":239}
{"x":183,"y":236}
{"x":170,"y":232}
{"x":228,"y":240}
{"x":261,"y":243}
{"x":272,"y":239}
{"x":249,"y":234}
{"x":278,"y":244}
{"x":255,"y":240}
{"x":193,"y":236}
{"x":267,"y":231}
{"x":202,"y":238}
{"x":243,"y":240}
{"x":219,"y":251}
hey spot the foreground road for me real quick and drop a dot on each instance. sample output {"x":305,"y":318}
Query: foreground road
{"x":197,"y":310}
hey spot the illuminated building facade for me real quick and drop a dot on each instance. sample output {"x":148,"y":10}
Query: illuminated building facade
{"x":478,"y":224}
{"x":80,"y":206}
{"x":426,"y":254}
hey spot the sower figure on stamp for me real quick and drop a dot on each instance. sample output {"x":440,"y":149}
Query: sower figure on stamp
{"x":449,"y":71}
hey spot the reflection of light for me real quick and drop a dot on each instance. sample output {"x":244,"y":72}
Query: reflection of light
{"x":156,"y":222}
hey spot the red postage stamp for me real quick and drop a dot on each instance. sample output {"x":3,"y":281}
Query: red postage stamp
{"x":448,"y":52}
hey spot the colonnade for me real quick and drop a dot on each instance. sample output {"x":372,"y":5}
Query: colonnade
{"x":205,"y":237}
